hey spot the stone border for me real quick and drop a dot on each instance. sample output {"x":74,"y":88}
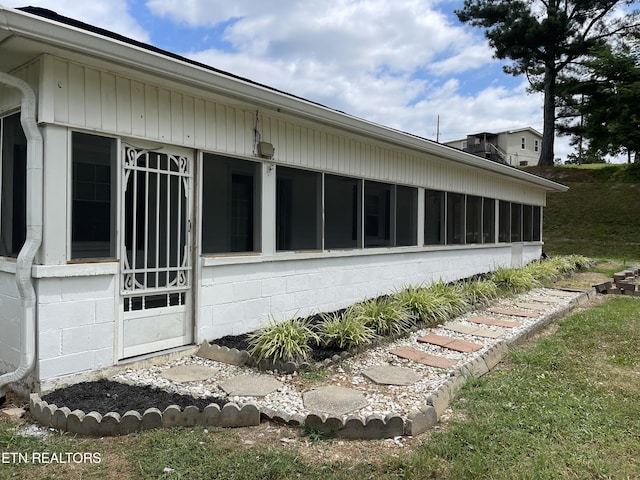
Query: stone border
{"x":234,"y":415}
{"x":112,"y":423}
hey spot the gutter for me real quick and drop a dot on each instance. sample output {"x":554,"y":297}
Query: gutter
{"x":33,"y":239}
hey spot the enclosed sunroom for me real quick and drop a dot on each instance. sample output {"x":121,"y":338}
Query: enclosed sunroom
{"x":149,"y":203}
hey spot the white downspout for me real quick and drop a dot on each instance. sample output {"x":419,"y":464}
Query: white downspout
{"x":33,"y":239}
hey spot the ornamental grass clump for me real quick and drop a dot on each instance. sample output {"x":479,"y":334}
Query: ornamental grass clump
{"x":511,"y":281}
{"x":288,"y":340}
{"x":345,"y":331}
{"x":385,"y":316}
{"x":450,"y":295}
{"x":544,"y":271}
{"x":434,"y":304}
{"x":479,"y":292}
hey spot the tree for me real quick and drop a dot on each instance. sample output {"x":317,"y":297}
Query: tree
{"x":601,"y":107}
{"x":544,"y":37}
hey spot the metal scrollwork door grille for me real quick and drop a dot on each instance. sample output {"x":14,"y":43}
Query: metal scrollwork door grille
{"x":156,"y":258}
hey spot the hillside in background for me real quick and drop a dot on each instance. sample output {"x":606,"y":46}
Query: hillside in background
{"x":600,"y":214}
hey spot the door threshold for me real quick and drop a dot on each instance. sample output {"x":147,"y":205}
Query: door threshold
{"x":162,"y":356}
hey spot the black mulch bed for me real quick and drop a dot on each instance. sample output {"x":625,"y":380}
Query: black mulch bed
{"x":241,"y":342}
{"x":105,"y":396}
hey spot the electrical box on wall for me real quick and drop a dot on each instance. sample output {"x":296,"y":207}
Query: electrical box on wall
{"x":266,"y":150}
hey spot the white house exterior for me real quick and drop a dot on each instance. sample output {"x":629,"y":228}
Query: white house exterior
{"x":518,"y":148}
{"x":172,"y":203}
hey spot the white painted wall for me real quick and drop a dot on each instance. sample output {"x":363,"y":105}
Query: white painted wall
{"x":76,"y":324}
{"x":237,"y":298}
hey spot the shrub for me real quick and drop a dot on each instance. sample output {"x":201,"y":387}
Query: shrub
{"x":385,"y":316}
{"x":288,"y":340}
{"x":345,"y":331}
{"x":479,"y":292}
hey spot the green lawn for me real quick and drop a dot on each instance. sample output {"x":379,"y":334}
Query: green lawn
{"x":565,"y":406}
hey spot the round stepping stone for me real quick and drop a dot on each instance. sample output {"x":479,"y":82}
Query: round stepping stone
{"x":250,"y":385}
{"x":188,"y":373}
{"x":388,"y":375}
{"x":334,"y":400}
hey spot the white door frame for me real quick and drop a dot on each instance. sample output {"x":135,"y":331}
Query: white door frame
{"x":156,"y":277}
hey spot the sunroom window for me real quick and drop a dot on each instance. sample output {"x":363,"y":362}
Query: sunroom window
{"x":474,"y":219}
{"x":298,"y":203}
{"x":342,"y":212}
{"x":231,"y":208}
{"x":434,"y":213}
{"x":488,"y":220}
{"x":13,"y":187}
{"x":93,"y":213}
{"x":455,"y":219}
{"x":504,"y":221}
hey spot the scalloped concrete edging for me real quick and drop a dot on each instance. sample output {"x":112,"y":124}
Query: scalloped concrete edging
{"x":234,"y":415}
{"x":112,"y":423}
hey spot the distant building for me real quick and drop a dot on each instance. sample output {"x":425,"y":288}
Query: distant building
{"x":518,"y":148}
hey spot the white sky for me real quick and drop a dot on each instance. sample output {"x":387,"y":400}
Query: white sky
{"x":400,"y":63}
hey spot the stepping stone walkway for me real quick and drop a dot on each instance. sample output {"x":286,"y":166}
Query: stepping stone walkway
{"x":549,"y":299}
{"x":334,"y":400}
{"x":512,"y":312}
{"x":388,"y":375}
{"x":472,"y":330}
{"x":250,"y":385}
{"x":450,"y":343}
{"x":563,"y":293}
{"x":188,"y":373}
{"x":424,"y":358}
{"x":494,"y":322}
{"x":533,"y":306}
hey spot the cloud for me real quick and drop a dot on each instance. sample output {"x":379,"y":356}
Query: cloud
{"x":111,"y":15}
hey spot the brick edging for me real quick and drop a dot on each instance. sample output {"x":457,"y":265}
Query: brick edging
{"x":246,"y":415}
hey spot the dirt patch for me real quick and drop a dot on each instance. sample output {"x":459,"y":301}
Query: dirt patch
{"x":583,"y":280}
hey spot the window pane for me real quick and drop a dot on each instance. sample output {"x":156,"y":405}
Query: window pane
{"x":504,"y":222}
{"x":516,"y":222}
{"x":537,"y":225}
{"x":488,"y":220}
{"x":92,"y":211}
{"x":342,"y":207}
{"x":474,"y":219}
{"x":527,"y":223}
{"x":434,"y":217}
{"x":377,"y":220}
{"x":406,"y":216}
{"x":13,"y":212}
{"x":297,"y":209}
{"x":455,"y":218}
{"x":230,"y":200}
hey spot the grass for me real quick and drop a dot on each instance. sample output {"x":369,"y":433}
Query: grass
{"x":599,"y":216}
{"x":564,"y":406}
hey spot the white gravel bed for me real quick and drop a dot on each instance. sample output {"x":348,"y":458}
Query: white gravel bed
{"x":382,"y":399}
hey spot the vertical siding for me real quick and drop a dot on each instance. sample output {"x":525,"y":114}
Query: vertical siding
{"x":88,"y":98}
